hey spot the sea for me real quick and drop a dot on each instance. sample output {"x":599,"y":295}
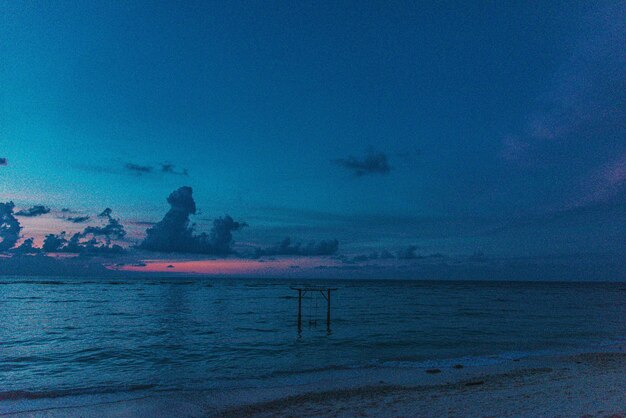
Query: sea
{"x":75,"y":336}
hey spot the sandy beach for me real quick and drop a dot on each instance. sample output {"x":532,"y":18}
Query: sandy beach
{"x":587,"y":384}
{"x":583,"y":385}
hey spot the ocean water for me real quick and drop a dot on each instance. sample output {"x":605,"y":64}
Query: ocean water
{"x":86,"y":336}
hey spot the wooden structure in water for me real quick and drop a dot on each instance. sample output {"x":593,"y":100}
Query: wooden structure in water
{"x":325,"y":292}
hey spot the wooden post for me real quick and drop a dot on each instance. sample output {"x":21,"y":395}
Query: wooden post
{"x":299,"y":310}
{"x":328,"y":310}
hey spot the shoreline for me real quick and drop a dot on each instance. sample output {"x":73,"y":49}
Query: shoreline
{"x":580,"y":384}
{"x":590,"y":384}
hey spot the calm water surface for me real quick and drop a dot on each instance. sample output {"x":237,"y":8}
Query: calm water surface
{"x":72,"y":336}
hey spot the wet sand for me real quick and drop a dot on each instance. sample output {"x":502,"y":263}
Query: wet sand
{"x":590,"y":384}
{"x":584,"y":385}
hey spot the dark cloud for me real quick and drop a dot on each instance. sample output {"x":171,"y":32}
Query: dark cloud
{"x":105,"y":213}
{"x":138,"y":169}
{"x":173,"y":234}
{"x":171,"y":169}
{"x":3,"y":161}
{"x":93,"y":240}
{"x":142,"y":223}
{"x":9,"y":227}
{"x":78,"y":219}
{"x":134,"y":169}
{"x":166,"y":168}
{"x":372,"y":163}
{"x":113,"y":228}
{"x":363,"y":257}
{"x":27,"y":247}
{"x":382,"y":255}
{"x":34,"y":211}
{"x":54,"y":242}
{"x":221,"y":236}
{"x":58,"y":243}
{"x":408,"y":253}
{"x":286,"y":247}
{"x":41,"y":265}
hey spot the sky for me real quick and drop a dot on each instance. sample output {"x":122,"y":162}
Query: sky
{"x":478,"y":140}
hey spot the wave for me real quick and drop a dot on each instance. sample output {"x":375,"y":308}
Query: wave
{"x":23,"y":394}
{"x":488,"y":360}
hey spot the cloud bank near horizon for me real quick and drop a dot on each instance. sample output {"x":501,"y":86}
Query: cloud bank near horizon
{"x":93,"y":240}
{"x":36,"y":210}
{"x":108,"y":244}
{"x":173,"y":234}
{"x":287,"y":247}
{"x":9,"y":227}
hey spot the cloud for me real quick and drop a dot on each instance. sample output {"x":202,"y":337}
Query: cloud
{"x":382,"y":255}
{"x":408,"y":253}
{"x":142,"y":223}
{"x":605,"y":183}
{"x":221,"y":234}
{"x":134,"y":169}
{"x":173,"y":234}
{"x":286,"y":247}
{"x":87,"y":242}
{"x":9,"y":227}
{"x":573,"y":133}
{"x":53,"y":243}
{"x":581,"y":112}
{"x":171,"y":169}
{"x":585,"y":98}
{"x":34,"y":211}
{"x":58,"y":243}
{"x":77,"y":219}
{"x":27,"y":247}
{"x":363,"y":257}
{"x":166,"y":168}
{"x":3,"y":161}
{"x":105,"y":213}
{"x":113,"y":228}
{"x":372,"y":163}
{"x":138,"y":169}
{"x":41,"y":265}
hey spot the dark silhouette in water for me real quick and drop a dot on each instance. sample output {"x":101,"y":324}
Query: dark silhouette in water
{"x":325,"y":292}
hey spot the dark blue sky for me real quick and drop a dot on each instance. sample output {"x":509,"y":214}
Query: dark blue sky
{"x":456,"y":127}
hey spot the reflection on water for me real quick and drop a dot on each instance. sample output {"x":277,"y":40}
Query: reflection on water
{"x":81,"y":336}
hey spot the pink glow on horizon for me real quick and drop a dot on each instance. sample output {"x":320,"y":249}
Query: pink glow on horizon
{"x":224,"y":266}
